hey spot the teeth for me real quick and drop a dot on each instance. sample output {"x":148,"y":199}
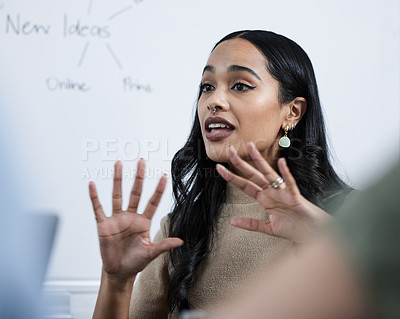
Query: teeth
{"x":217,"y":125}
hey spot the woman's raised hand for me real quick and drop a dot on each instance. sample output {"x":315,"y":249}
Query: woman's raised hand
{"x":125,"y":244}
{"x":291,"y":216}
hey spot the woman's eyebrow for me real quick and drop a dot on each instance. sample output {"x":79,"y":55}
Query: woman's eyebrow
{"x":233,"y":68}
{"x":238,"y":68}
{"x":208,"y":68}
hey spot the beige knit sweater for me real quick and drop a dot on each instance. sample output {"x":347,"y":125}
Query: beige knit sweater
{"x":236,"y":254}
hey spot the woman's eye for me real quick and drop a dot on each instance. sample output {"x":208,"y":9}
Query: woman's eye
{"x":241,"y":87}
{"x":206,"y":88}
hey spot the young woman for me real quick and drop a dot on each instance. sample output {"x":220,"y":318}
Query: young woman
{"x":258,"y":101}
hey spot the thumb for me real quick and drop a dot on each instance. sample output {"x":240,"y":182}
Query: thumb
{"x":165,"y":245}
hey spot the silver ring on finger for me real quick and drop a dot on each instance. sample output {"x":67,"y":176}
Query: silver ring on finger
{"x":277,"y":183}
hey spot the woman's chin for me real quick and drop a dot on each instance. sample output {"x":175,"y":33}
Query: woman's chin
{"x":221,"y":156}
{"x":219,"y":159}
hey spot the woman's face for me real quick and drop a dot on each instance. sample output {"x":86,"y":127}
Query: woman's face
{"x":237,"y":84}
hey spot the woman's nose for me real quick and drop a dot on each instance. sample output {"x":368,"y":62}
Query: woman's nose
{"x":218,"y":101}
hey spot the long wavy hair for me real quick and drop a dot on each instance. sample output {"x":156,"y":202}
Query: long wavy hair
{"x":198,"y":189}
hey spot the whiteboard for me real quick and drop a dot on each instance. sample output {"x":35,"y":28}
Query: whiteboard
{"x":84,"y":83}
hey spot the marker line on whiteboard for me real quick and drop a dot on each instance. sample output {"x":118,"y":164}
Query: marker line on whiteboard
{"x":83,"y":54}
{"x":120,"y":12}
{"x":90,"y":6}
{"x":114,"y":56}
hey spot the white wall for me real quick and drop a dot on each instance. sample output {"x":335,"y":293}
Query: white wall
{"x":162,"y":47}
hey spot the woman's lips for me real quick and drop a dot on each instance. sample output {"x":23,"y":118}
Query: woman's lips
{"x":217,"y":128}
{"x":218,"y":134}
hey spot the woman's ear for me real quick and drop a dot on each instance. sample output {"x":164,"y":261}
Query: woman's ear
{"x":296,"y":110}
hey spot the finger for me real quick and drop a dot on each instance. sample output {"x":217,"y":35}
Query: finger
{"x":98,"y":210}
{"x":245,"y":185}
{"x":155,"y":199}
{"x":286,"y":174}
{"x":248,"y":171}
{"x":165,"y":245}
{"x":117,"y":192}
{"x":137,"y":187}
{"x":261,"y":164}
{"x":252,"y":224}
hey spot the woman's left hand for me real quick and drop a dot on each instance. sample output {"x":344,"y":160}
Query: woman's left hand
{"x":291,"y":216}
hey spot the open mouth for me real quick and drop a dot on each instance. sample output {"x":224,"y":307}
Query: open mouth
{"x":218,"y":128}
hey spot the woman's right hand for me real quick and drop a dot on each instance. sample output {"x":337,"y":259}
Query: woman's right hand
{"x":125,"y":244}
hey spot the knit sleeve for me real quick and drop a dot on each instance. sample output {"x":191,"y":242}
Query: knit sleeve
{"x":149,"y":297}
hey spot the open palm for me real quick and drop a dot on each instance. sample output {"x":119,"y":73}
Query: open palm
{"x":291,"y":216}
{"x":125,"y":244}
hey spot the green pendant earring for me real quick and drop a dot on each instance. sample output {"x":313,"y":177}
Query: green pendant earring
{"x":284,"y":141}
